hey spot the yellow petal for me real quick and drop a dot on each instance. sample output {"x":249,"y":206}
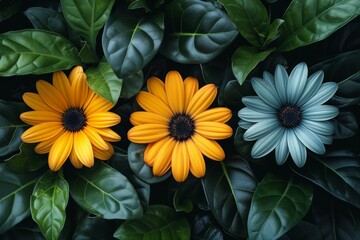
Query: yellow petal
{"x":79,"y":90}
{"x":174,"y":87}
{"x":98,"y":104}
{"x":51,"y":96}
{"x":180,"y":162}
{"x":61,"y":82}
{"x":209,"y":148}
{"x":104,"y":154}
{"x":157,"y":87}
{"x":202,"y":100}
{"x":148,"y":133}
{"x":218,"y":114}
{"x":213,"y":130}
{"x":153,"y":149}
{"x":197,"y":163}
{"x":95,"y":138}
{"x":74,"y":74}
{"x":36,"y":117}
{"x":191,"y":86}
{"x":60,"y":151}
{"x":75,"y":160}
{"x":45,"y":146}
{"x":91,"y":95}
{"x":162,"y":162}
{"x":108,"y":135}
{"x":83,"y":149}
{"x":34,"y":101}
{"x":103,"y":119}
{"x":153,"y":104}
{"x":41,"y":132}
{"x":137,"y":118}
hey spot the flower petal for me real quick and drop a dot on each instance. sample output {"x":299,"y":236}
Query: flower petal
{"x":37,"y":117}
{"x":245,"y":124}
{"x":147,"y":133}
{"x":266,"y":92}
{"x":282,"y":150}
{"x":104,"y":154}
{"x":95,"y":138}
{"x":297,"y":82}
{"x":312,"y":86}
{"x":60,"y":151}
{"x":261,"y":129}
{"x":41,"y":132}
{"x":103,"y":119}
{"x":218,"y":114}
{"x":108,"y":135}
{"x":309,"y":139}
{"x":51,"y":96}
{"x":269,"y":78}
{"x":157,"y":87}
{"x":265,"y":145}
{"x":326,"y":139}
{"x":79,"y":90}
{"x":255,"y":103}
{"x":174,"y":88}
{"x":326,"y":91}
{"x":320,"y":113}
{"x":197,"y":163}
{"x":34,"y":101}
{"x":45,"y":146}
{"x":75,"y":73}
{"x":162,"y":162}
{"x":153,"y":104}
{"x":281,"y":80}
{"x":75,"y":160}
{"x":83,"y":149}
{"x":201,"y":100}
{"x":180,"y":162}
{"x":61,"y":82}
{"x":153,"y":149}
{"x":191,"y":86}
{"x":209,"y":148}
{"x":297,"y":149}
{"x":213,"y":130}
{"x":142,"y":117}
{"x":98,"y":104}
{"x":252,"y":116}
{"x":323,"y":127}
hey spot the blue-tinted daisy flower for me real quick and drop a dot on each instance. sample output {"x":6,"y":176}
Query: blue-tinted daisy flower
{"x":288,"y":114}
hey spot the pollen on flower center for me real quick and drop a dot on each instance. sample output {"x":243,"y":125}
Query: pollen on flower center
{"x":74,"y":119}
{"x":181,"y":127}
{"x":289,"y":116}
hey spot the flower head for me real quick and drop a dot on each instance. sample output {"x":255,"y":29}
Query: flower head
{"x":69,"y":120}
{"x":288,"y":114}
{"x":178,"y":126}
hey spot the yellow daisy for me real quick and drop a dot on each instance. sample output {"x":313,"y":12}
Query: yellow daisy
{"x":178,"y":126}
{"x":69,"y":120}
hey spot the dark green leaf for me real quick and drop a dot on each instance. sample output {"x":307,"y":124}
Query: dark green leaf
{"x":205,"y":228}
{"x":158,"y":222}
{"x":132,"y":85}
{"x":130,"y":42}
{"x":250,"y":18}
{"x":303,"y":231}
{"x":277,"y":206}
{"x":48,"y":203}
{"x":199,"y":33}
{"x":8,"y":8}
{"x":35,"y":52}
{"x":309,"y":21}
{"x":87,"y":54}
{"x":182,"y":204}
{"x":242,"y":147}
{"x":27,"y":159}
{"x":139,"y":4}
{"x":16,"y":189}
{"x":26,"y":229}
{"x":105,"y":192}
{"x":274,"y":31}
{"x":11,"y":127}
{"x":346,"y":125}
{"x":228,"y":198}
{"x":233,"y":93}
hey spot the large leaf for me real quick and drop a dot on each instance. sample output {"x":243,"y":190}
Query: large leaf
{"x":346,"y":125}
{"x":11,"y":127}
{"x":204,"y":227}
{"x":35,"y":52}
{"x":303,"y":231}
{"x":48,"y":203}
{"x":277,"y":206}
{"x":132,"y":84}
{"x":105,"y":192}
{"x":309,"y":21}
{"x":158,"y":222}
{"x":15,"y":194}
{"x":130,"y":42}
{"x":228,"y":190}
{"x":338,"y":172}
{"x":199,"y":31}
{"x":27,"y":159}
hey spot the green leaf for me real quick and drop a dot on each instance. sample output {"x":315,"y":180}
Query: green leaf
{"x":130,"y":42}
{"x":251,"y":19}
{"x":274,"y":31}
{"x":199,"y":31}
{"x":228,"y":198}
{"x":35,"y":52}
{"x":139,"y":167}
{"x":26,"y":229}
{"x":8,"y":8}
{"x":346,"y":125}
{"x":105,"y":192}
{"x":233,"y":93}
{"x":16,"y":189}
{"x":303,"y":231}
{"x":158,"y":222}
{"x":48,"y":203}
{"x":245,"y":59}
{"x":27,"y":159}
{"x":338,"y":172}
{"x":87,"y":18}
{"x":309,"y":21}
{"x":277,"y":205}
{"x":11,"y":127}
{"x":205,"y":228}
{"x":242,"y":147}
{"x":103,"y":81}
{"x":132,"y":84}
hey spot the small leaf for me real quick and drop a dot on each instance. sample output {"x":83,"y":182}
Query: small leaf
{"x":48,"y":203}
{"x":205,"y":228}
{"x":130,"y":42}
{"x":158,"y":222}
{"x":105,"y":192}
{"x":277,"y":205}
{"x":245,"y":59}
{"x":35,"y":52}
{"x":309,"y":21}
{"x":346,"y":125}
{"x":27,"y":159}
{"x":274,"y":31}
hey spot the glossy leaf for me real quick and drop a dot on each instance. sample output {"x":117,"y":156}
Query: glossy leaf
{"x":199,"y":31}
{"x":103,"y":81}
{"x":16,"y":189}
{"x":35,"y":52}
{"x":205,"y":227}
{"x":245,"y":59}
{"x":309,"y":21}
{"x":130,"y":42}
{"x":132,"y":85}
{"x":228,"y":197}
{"x":346,"y":125}
{"x":158,"y":222}
{"x":27,"y":159}
{"x":105,"y":192}
{"x":277,"y":205}
{"x":233,"y":93}
{"x":11,"y":127}
{"x":338,"y":172}
{"x":146,"y":5}
{"x":274,"y":31}
{"x":48,"y":203}
{"x":251,"y":19}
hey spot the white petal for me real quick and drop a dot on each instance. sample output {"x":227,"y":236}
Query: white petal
{"x":255,"y":103}
{"x":320,"y":113}
{"x":282,"y":150}
{"x":297,"y":82}
{"x":326,"y":139}
{"x":312,"y":87}
{"x":326,"y":91}
{"x":266,"y":144}
{"x":261,"y":129}
{"x":269,"y":78}
{"x":281,"y":79}
{"x":252,"y":116}
{"x":297,"y":149}
{"x":245,"y":124}
{"x":323,"y":127}
{"x":266,"y":92}
{"x":309,"y":139}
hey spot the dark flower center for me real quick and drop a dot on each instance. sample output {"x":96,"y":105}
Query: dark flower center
{"x":289,"y":116}
{"x":181,"y":127}
{"x":74,"y":119}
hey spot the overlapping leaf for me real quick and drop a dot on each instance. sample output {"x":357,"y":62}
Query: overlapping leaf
{"x":27,"y":159}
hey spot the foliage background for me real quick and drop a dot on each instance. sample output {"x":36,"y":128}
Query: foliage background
{"x":225,"y":42}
